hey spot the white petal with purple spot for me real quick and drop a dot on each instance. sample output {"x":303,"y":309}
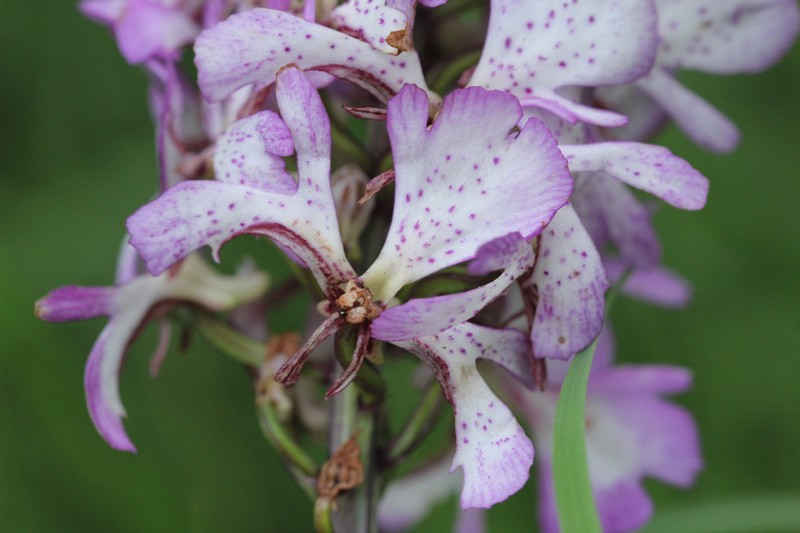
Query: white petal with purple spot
{"x":451,"y":178}
{"x":491,"y":447}
{"x":535,"y":47}
{"x":199,"y":213}
{"x":725,"y":37}
{"x":252,"y":47}
{"x":647,"y":167}
{"x":571,"y":284}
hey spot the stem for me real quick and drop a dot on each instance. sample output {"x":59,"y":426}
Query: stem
{"x":249,"y":352}
{"x":450,"y":74}
{"x":356,"y":509}
{"x":346,"y":143}
{"x":277,"y":435}
{"x":230,"y":342}
{"x":416,"y":427}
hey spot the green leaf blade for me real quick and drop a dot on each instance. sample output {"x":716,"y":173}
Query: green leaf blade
{"x":574,"y":500}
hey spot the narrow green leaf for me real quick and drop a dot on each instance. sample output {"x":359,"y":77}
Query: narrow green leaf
{"x":229,"y":341}
{"x":576,"y":509}
{"x":779,"y":512}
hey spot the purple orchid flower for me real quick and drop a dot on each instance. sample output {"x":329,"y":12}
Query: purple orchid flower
{"x":135,"y":300}
{"x":467,"y":155}
{"x":737,"y":36}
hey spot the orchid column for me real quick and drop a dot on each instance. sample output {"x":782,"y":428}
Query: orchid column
{"x":499,"y":214}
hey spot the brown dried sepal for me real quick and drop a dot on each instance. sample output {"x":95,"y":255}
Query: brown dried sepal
{"x":400,"y":39}
{"x":355,"y":304}
{"x":279,"y":348}
{"x":343,"y":471}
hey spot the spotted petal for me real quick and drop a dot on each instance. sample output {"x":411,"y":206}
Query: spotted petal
{"x":571,"y":283}
{"x":427,"y":316}
{"x":199,"y":213}
{"x":535,"y":47}
{"x":491,"y":447}
{"x":647,"y":167}
{"x":370,"y":21}
{"x":252,"y":47}
{"x":718,"y":37}
{"x":451,"y":178}
{"x":725,"y":37}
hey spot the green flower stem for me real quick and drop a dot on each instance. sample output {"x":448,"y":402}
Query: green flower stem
{"x":449,"y":75}
{"x":322,"y":516}
{"x":281,"y":439}
{"x":237,"y":346}
{"x":357,"y":508}
{"x":344,"y":142}
{"x":417,"y":426}
{"x":249,"y":352}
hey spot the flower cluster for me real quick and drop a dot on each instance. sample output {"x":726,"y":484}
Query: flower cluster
{"x":513,"y":178}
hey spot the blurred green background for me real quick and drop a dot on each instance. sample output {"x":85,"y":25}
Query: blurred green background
{"x":76,"y":158}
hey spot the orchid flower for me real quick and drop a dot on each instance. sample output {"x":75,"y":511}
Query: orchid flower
{"x":524,"y":171}
{"x":568,"y":282}
{"x":426,"y":235}
{"x":737,"y":36}
{"x":135,"y":300}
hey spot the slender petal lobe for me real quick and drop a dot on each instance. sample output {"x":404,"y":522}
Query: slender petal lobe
{"x":571,"y":283}
{"x":426,"y":316}
{"x":645,"y":166}
{"x":613,"y":215}
{"x":701,"y":121}
{"x":74,"y":302}
{"x":491,"y":447}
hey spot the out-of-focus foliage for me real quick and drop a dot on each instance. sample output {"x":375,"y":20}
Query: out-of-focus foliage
{"x":77,"y":157}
